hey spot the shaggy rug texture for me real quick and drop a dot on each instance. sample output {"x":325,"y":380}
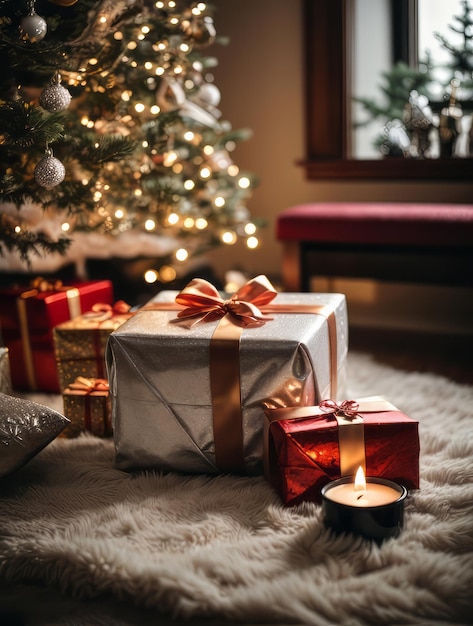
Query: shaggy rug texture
{"x":225,"y":549}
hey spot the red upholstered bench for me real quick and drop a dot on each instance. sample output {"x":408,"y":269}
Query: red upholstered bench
{"x":425,"y":243}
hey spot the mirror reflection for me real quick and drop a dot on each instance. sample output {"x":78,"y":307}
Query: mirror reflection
{"x":412,"y":79}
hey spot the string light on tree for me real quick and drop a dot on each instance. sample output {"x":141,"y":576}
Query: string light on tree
{"x":182,"y":254}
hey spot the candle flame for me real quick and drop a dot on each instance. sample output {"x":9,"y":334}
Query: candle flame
{"x":360,"y":481}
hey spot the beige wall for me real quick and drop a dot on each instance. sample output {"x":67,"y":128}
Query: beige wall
{"x":261,"y":82}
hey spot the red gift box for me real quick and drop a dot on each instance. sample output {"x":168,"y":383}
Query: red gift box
{"x":27,"y":319}
{"x":307,"y":447}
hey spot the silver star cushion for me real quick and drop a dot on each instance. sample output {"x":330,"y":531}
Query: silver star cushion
{"x":25,"y":429}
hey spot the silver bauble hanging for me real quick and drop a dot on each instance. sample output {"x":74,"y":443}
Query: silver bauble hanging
{"x":55,"y":97}
{"x":49,"y":172}
{"x":33,"y":27}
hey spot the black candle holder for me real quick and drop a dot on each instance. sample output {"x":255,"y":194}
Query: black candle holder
{"x":378,"y":522}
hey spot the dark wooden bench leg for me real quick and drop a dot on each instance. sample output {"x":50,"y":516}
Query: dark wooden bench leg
{"x":292,"y":266}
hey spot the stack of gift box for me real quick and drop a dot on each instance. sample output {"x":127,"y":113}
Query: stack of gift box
{"x":202,"y":382}
{"x":54,"y":339}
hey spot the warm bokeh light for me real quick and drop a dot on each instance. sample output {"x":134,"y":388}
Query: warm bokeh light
{"x":252,"y":242}
{"x":229,"y":237}
{"x":151,"y":276}
{"x":182,"y":254}
{"x":167,"y":273}
{"x":169,"y":158}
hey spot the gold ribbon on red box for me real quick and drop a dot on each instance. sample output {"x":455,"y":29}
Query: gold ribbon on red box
{"x":249,"y":307}
{"x":348,"y":415}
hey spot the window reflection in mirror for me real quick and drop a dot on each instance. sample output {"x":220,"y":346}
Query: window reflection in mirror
{"x":432,"y":120}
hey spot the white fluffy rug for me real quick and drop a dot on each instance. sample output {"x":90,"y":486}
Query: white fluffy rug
{"x":99,"y":540}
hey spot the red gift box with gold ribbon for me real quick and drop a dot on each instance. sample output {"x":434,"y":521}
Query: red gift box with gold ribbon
{"x":87,"y":405}
{"x":27,"y":319}
{"x":191,"y":372}
{"x":307,"y":447}
{"x":80,"y":343}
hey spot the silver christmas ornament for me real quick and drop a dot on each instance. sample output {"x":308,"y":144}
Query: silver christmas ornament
{"x":55,"y":97}
{"x":49,"y":172}
{"x":33,"y":27}
{"x":208,"y":94}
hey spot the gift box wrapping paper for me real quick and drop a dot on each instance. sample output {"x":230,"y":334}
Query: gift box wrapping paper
{"x":304,"y":448}
{"x":87,"y":405}
{"x":27,"y":319}
{"x":80,"y":344}
{"x":164,"y":411}
{"x":5,"y":377}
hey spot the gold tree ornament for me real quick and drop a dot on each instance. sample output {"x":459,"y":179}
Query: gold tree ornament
{"x":33,"y":27}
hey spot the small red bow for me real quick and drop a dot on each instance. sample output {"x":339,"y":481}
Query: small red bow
{"x":89,"y":384}
{"x":204,"y":304}
{"x":348,"y":408}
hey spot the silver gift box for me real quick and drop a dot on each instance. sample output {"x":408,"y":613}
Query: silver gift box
{"x":160,"y":387}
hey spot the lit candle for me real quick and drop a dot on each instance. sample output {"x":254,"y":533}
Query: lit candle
{"x":371,"y":507}
{"x":363,"y":494}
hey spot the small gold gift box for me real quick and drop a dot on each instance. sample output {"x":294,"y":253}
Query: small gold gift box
{"x":87,"y":404}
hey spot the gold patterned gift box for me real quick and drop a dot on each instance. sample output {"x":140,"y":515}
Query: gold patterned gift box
{"x":87,"y":405}
{"x":80,"y":343}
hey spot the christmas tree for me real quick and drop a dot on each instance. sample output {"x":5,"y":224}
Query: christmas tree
{"x":111,"y":141}
{"x":461,"y":54}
